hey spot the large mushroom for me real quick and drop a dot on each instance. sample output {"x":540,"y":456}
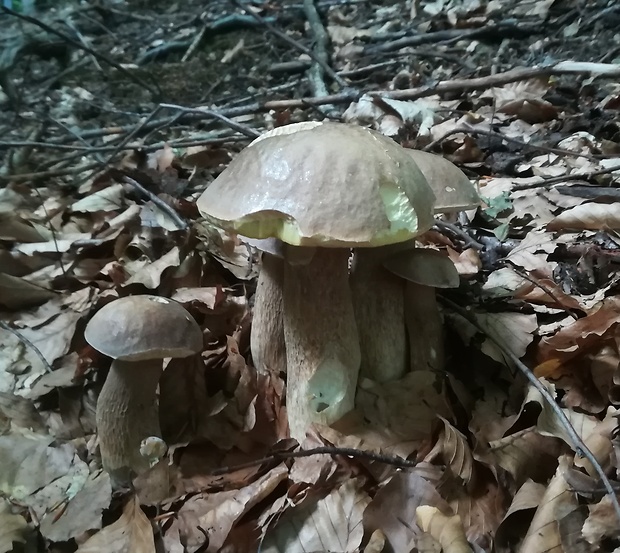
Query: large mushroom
{"x":323,"y":189}
{"x":138,"y":332}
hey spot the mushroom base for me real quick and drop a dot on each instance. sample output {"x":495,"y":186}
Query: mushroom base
{"x":322,"y":343}
{"x":127,"y":413}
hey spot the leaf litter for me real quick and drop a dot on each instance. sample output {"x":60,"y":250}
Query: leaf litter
{"x":496,"y":469}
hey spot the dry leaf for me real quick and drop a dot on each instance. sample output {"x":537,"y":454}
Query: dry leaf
{"x":13,"y":528}
{"x":590,"y":216}
{"x":332,"y":524}
{"x":447,"y":530}
{"x":557,"y":502}
{"x":131,"y":533}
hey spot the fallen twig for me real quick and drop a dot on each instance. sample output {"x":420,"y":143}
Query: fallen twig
{"x":163,"y":206}
{"x":550,"y":181}
{"x":326,"y":450}
{"x":581,"y":448}
{"x":28,"y":344}
{"x":277,"y":32}
{"x":321,"y":40}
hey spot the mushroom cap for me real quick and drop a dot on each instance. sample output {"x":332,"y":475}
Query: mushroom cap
{"x":137,"y":328}
{"x":424,"y":266}
{"x":328,"y":184}
{"x":452,"y":189}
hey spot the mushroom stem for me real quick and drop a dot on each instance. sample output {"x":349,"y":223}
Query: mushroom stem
{"x":425,"y":328}
{"x":380,"y":316}
{"x":322,"y":344}
{"x":127,"y":413}
{"x":267,"y":334}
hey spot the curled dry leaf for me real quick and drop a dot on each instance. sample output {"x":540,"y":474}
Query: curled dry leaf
{"x":447,"y":530}
{"x":557,"y":502}
{"x":131,"y":533}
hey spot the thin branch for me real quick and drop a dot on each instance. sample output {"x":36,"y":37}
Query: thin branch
{"x":163,"y":206}
{"x":28,"y":344}
{"x":466,"y":129}
{"x":469,"y":241}
{"x":321,"y":40}
{"x":80,"y":46}
{"x":396,"y":461}
{"x":282,"y":35}
{"x":243,"y":129}
{"x":581,"y":448}
{"x":544,"y":183}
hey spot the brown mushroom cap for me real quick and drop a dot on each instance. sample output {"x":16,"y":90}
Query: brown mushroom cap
{"x":452,"y":189}
{"x":329,"y":184}
{"x":137,"y":328}
{"x":424,"y":266}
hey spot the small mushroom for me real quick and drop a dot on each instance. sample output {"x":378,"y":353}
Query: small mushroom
{"x":322,"y":189}
{"x":424,"y":270}
{"x":138,"y":332}
{"x":378,"y":295}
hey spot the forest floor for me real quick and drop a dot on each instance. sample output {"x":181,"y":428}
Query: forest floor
{"x":116,"y":115}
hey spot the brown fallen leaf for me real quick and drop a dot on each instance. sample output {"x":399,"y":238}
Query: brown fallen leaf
{"x":13,"y":528}
{"x":447,"y":530}
{"x":131,"y":533}
{"x":218,"y":513}
{"x":333,"y":524}
{"x":602,"y":523}
{"x":558,"y":501}
{"x":590,"y":216}
{"x":393,"y":508}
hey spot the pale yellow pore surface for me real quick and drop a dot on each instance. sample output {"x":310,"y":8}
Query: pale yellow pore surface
{"x":453,"y":190}
{"x":331,"y":185}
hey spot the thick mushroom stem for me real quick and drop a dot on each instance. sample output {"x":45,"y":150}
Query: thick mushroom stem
{"x":425,"y":328}
{"x":267,"y":334}
{"x":322,"y":344}
{"x":127,"y":413}
{"x":380,"y":316}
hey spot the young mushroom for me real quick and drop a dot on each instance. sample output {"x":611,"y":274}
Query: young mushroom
{"x":322,"y":189}
{"x":378,"y":294}
{"x":138,"y":332}
{"x":424,"y":270}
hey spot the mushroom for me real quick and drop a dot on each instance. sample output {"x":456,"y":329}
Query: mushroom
{"x":424,"y":270}
{"x":138,"y":332}
{"x":267,"y":332}
{"x":323,"y":189}
{"x":378,"y":294}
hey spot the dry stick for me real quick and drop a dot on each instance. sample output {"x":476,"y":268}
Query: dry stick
{"x":523,"y":274}
{"x":394,"y":460}
{"x":282,"y":35}
{"x":467,"y":129}
{"x":29,"y":344}
{"x":163,"y":206}
{"x":321,"y":40}
{"x":244,"y":129}
{"x":543,"y":183}
{"x":80,"y":46}
{"x":581,"y":448}
{"x":469,"y":241}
